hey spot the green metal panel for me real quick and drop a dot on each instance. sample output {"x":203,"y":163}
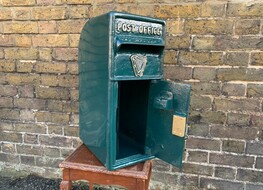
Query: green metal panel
{"x":93,"y":85}
{"x":166,"y":99}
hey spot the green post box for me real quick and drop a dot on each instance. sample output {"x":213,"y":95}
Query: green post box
{"x":128,"y":112}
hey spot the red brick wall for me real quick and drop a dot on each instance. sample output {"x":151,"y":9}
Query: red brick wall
{"x":217,"y":46}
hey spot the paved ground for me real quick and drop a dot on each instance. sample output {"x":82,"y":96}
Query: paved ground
{"x":33,"y":182}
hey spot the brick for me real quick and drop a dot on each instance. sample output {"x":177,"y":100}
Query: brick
{"x":233,"y":146}
{"x":26,"y":91}
{"x":244,"y":9}
{"x":49,"y":80}
{"x":11,"y":137}
{"x":198,"y":129}
{"x":25,"y":66}
{"x":27,"y":115}
{"x":197,"y":156}
{"x":170,"y":57}
{"x":257,"y":121}
{"x":104,"y":8}
{"x":206,"y":26}
{"x":21,"y":13}
{"x":78,"y":12}
{"x":254,"y":148}
{"x":237,"y":119}
{"x":200,"y":102}
{"x":197,"y":169}
{"x":254,"y":187}
{"x":45,"y":54}
{"x":8,"y":148}
{"x":29,"y":103}
{"x":257,"y":58}
{"x":6,"y":126}
{"x":50,"y":40}
{"x":7,"y":66}
{"x":6,"y":102}
{"x":53,"y":117}
{"x":55,"y":129}
{"x":74,"y":119}
{"x":233,"y":89}
{"x":31,"y":138}
{"x":225,"y":173}
{"x":23,"y":41}
{"x":7,"y":40}
{"x":175,"y":26}
{"x":237,"y":58}
{"x":223,"y":104}
{"x":46,"y":2}
{"x":59,"y":106}
{"x":74,"y":40}
{"x":52,"y":93}
{"x":9,"y":114}
{"x":48,"y":13}
{"x":10,"y":158}
{"x":189,"y":10}
{"x":7,"y":90}
{"x":146,"y":9}
{"x":178,"y":73}
{"x":21,"y":53}
{"x":20,"y":27}
{"x":68,"y":81}
{"x":65,"y":54}
{"x":52,"y":152}
{"x":213,"y":9}
{"x":231,"y":160}
{"x":5,"y":14}
{"x":204,"y":73}
{"x":213,"y":117}
{"x":259,"y":163}
{"x":30,"y":128}
{"x":188,"y":181}
{"x":160,"y":165}
{"x":246,"y":133}
{"x":59,"y":141}
{"x":178,"y":42}
{"x":47,"y":27}
{"x":247,"y":26}
{"x":71,"y":131}
{"x":205,"y":88}
{"x":255,"y":74}
{"x":46,"y":67}
{"x":250,"y":175}
{"x":66,"y":152}
{"x":28,"y":160}
{"x":207,"y":183}
{"x":201,"y":58}
{"x":206,"y":144}
{"x":74,"y":95}
{"x":165,"y":178}
{"x":29,"y":149}
{"x":70,"y":26}
{"x":18,"y":2}
{"x":203,"y":43}
{"x":231,"y":74}
{"x":76,"y":2}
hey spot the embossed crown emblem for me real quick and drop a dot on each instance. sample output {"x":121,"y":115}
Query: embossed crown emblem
{"x":138,"y":64}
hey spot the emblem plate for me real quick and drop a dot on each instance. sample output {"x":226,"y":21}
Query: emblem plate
{"x":138,"y":64}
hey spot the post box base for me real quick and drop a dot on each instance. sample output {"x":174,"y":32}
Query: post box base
{"x":83,"y":165}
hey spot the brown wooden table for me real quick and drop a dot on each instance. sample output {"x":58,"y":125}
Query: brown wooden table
{"x":82,"y":164}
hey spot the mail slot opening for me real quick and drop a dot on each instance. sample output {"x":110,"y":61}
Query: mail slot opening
{"x":136,"y":48}
{"x":131,"y":117}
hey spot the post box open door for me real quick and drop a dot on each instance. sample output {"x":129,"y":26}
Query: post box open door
{"x":128,"y":112}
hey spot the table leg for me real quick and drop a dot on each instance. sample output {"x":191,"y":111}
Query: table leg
{"x":65,"y":185}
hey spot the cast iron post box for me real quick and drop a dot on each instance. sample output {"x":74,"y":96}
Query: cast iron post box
{"x":128,"y":112}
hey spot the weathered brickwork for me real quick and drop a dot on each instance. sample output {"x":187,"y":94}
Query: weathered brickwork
{"x":214,"y":45}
